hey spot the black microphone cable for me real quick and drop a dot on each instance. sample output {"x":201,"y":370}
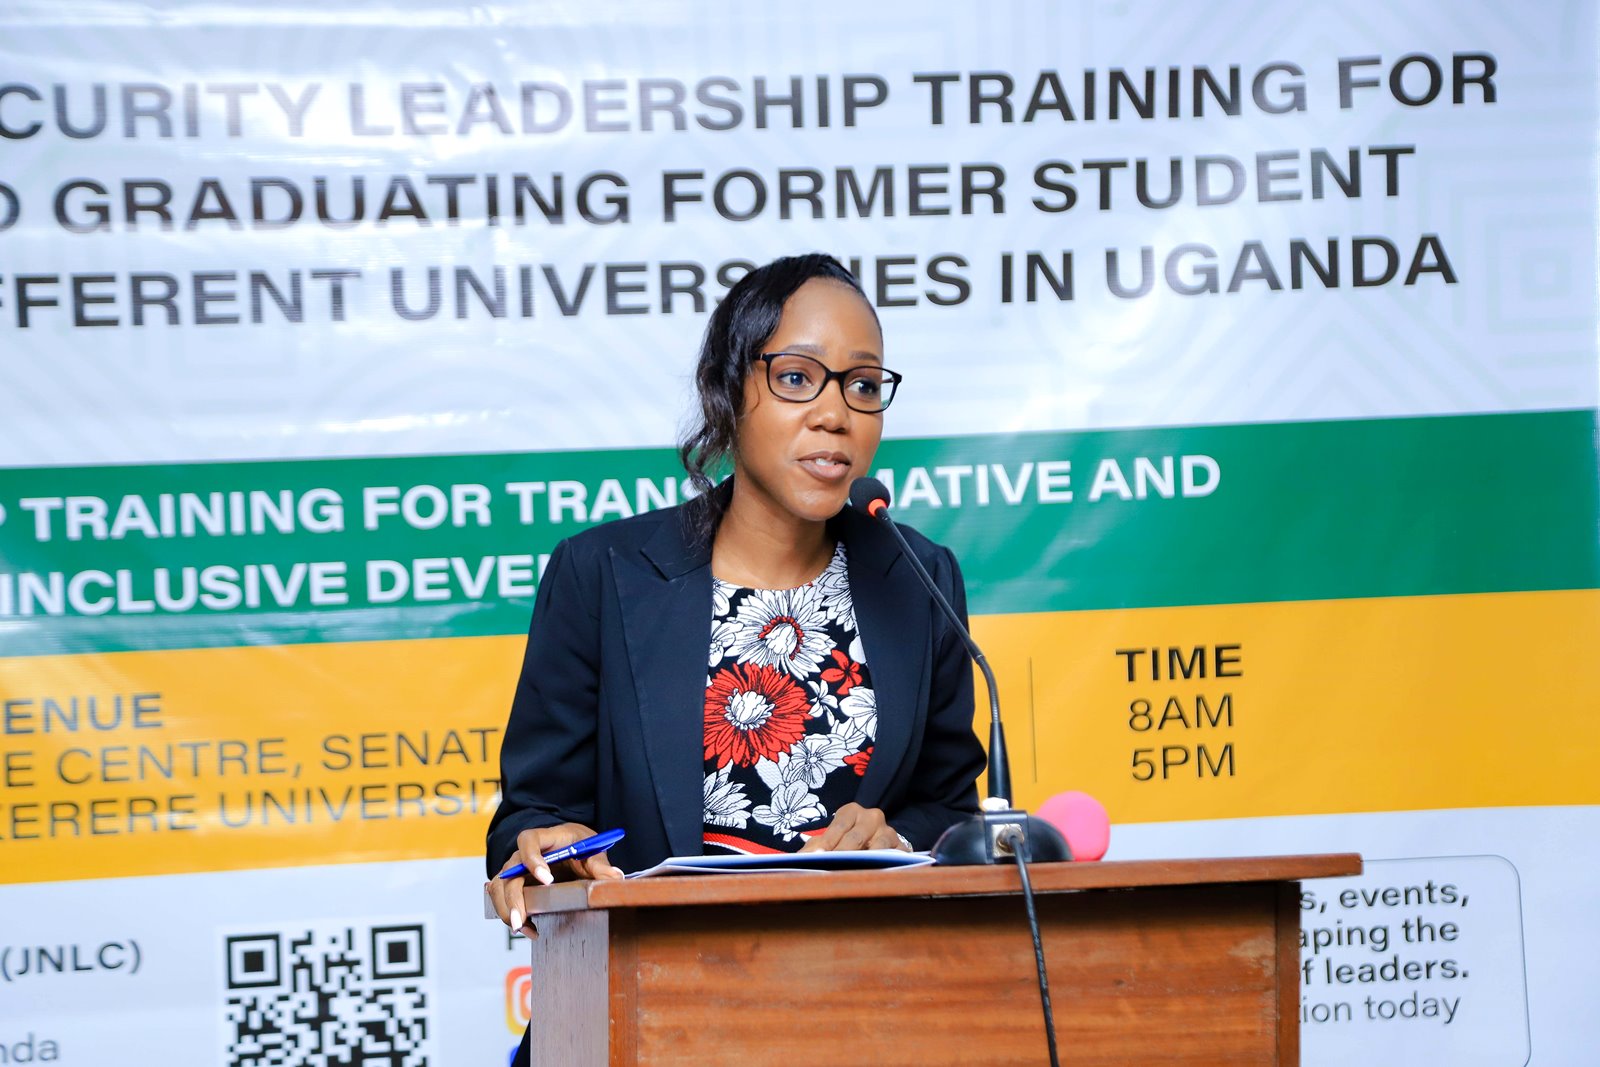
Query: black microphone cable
{"x":1019,"y":846}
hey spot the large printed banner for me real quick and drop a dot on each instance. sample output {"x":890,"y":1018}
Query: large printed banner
{"x":1251,"y":372}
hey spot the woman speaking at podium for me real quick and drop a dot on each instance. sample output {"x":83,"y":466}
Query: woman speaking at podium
{"x":755,"y":670}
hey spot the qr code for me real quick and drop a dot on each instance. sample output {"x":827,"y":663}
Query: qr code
{"x":328,"y":996}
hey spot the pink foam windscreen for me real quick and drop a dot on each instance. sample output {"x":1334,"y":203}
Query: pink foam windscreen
{"x":1082,"y":820}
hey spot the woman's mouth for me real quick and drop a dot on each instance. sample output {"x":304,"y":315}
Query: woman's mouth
{"x":829,"y":466}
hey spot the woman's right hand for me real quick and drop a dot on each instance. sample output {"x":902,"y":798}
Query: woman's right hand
{"x":506,"y":893}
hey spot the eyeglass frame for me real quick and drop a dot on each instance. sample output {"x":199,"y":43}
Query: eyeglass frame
{"x":829,"y":375}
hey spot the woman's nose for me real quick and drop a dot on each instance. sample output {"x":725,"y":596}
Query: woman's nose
{"x":829,"y":411}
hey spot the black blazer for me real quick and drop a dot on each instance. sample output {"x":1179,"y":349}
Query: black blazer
{"x":606,"y":728}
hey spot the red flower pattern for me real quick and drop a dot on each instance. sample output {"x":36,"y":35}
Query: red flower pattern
{"x":859,"y":761}
{"x":753,"y":712}
{"x":845,"y":674}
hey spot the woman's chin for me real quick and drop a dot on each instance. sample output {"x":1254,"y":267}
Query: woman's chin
{"x":818,"y":506}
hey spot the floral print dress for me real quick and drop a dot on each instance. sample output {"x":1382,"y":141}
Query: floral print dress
{"x":790,"y":715}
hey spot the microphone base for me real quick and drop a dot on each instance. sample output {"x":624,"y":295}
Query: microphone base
{"x":974,"y":842}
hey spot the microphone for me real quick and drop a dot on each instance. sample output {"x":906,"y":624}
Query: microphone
{"x":998,"y":832}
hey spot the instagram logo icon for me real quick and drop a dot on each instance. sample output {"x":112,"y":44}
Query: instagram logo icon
{"x":519,"y":998}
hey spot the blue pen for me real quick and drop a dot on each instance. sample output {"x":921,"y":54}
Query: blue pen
{"x":587,"y":847}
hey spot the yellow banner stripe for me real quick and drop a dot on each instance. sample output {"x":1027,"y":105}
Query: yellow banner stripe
{"x":222,"y":759}
{"x":239,"y":758}
{"x":1391,"y":704}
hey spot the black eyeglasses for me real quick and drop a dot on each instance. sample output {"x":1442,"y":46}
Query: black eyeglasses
{"x":801,"y":379}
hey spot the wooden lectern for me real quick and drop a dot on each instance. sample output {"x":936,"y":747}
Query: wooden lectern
{"x":1153,"y":961}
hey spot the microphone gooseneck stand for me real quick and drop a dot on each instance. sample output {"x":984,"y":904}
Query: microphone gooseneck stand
{"x":998,"y":833}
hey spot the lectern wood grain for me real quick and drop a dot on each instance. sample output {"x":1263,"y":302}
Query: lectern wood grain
{"x":1189,"y":962}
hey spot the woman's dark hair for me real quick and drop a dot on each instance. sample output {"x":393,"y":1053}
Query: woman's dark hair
{"x":739,"y":328}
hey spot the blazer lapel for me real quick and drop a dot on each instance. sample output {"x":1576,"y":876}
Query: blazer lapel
{"x":895,"y":622}
{"x":666,"y":616}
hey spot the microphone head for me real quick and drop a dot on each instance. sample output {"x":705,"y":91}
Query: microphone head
{"x":869,"y":495}
{"x":1082,"y":820}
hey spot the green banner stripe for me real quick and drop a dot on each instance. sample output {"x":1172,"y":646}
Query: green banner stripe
{"x":1040,"y":521}
{"x":1302,"y":511}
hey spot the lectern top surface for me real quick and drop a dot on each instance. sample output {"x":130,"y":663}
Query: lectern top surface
{"x":700,"y":889}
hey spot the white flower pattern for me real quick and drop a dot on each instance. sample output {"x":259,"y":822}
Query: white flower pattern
{"x":813,"y":759}
{"x":782,"y":628}
{"x":860,"y":709}
{"x":725,"y":801}
{"x":834,"y":589}
{"x":822,"y":698}
{"x":793,"y":806}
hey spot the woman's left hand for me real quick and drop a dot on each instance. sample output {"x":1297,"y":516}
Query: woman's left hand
{"x":854,"y":828}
